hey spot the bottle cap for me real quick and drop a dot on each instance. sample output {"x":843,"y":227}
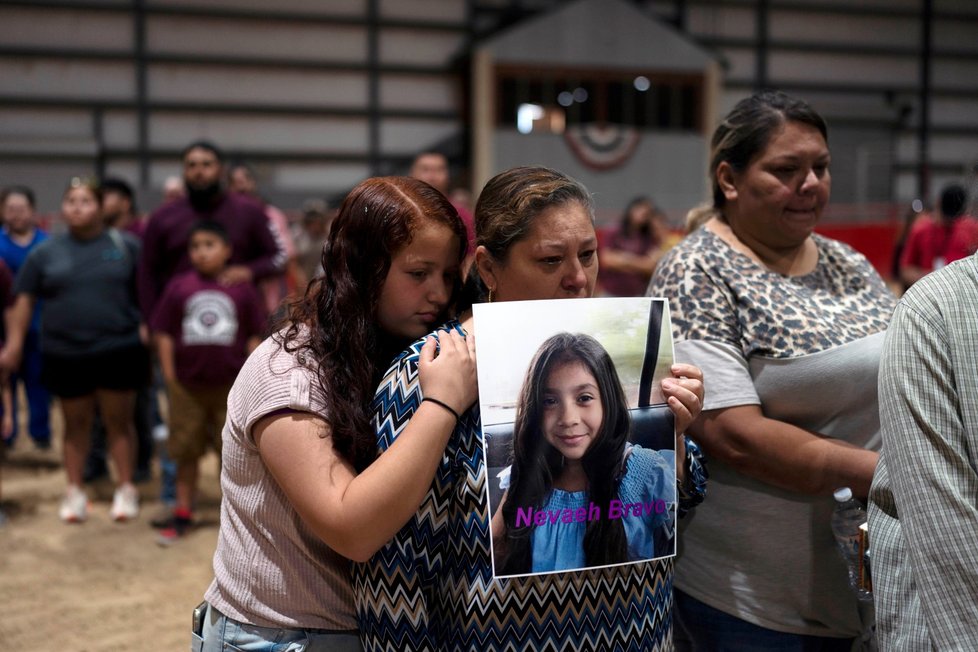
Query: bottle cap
{"x":843,"y":494}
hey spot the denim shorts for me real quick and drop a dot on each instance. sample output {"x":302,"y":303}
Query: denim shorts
{"x":223,"y":634}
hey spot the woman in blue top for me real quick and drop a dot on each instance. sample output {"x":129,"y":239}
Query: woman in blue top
{"x":570,"y":453}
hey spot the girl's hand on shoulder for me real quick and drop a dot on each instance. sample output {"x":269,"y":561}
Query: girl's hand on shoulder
{"x":684,"y":394}
{"x":449,"y":375}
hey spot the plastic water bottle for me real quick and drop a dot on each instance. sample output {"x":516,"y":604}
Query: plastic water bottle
{"x":847,"y":518}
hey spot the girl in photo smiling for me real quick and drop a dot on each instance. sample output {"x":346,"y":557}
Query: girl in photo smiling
{"x":578,"y":495}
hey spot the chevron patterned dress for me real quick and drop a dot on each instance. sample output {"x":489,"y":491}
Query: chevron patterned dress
{"x":431,"y":588}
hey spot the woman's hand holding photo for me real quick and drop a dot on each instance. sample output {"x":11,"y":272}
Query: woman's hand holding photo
{"x":684,"y":395}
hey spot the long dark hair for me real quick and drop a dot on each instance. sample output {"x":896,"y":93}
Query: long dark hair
{"x":333,"y":326}
{"x":744,"y":133}
{"x":536,"y":463}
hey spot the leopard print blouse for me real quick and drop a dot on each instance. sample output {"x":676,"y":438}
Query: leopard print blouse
{"x":717,"y":293}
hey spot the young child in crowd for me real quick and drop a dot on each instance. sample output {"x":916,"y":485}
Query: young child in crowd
{"x":204,"y":332}
{"x":571,"y":456}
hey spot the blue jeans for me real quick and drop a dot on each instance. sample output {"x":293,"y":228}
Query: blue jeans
{"x":223,"y":634}
{"x":701,"y":628}
{"x":38,"y":398}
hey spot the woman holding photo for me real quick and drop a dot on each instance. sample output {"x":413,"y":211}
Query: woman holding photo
{"x":570,"y":453}
{"x":432,"y":587}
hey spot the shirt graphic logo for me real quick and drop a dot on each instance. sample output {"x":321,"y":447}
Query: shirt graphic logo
{"x":210,"y":318}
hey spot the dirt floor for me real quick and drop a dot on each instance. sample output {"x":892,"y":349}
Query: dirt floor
{"x":97,"y":586}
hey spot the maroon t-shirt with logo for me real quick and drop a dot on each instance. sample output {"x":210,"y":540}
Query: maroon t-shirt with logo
{"x":210,"y":325}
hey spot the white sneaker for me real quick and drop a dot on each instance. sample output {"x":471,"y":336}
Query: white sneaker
{"x":125,"y":503}
{"x":74,"y":506}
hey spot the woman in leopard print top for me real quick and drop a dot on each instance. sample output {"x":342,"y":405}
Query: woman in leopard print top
{"x":787,"y":327}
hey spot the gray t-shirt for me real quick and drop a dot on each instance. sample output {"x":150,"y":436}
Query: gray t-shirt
{"x":88,"y":287}
{"x":806,"y":349}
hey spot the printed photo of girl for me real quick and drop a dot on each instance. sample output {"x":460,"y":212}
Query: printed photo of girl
{"x":578,"y":494}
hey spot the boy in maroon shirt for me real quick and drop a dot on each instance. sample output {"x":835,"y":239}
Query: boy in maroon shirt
{"x":203,"y":331}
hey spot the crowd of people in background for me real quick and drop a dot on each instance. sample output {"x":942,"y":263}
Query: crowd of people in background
{"x":91,"y":307}
{"x":330,"y":361}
